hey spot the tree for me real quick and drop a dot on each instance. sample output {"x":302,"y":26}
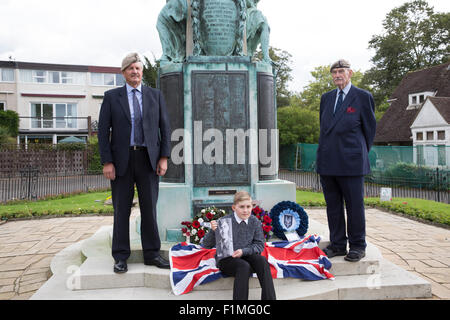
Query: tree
{"x":414,"y":37}
{"x":282,"y":61}
{"x":309,"y":98}
{"x":297,"y":125}
{"x":150,"y":73}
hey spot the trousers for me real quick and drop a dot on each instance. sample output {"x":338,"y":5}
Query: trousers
{"x":139,"y":172}
{"x":242,"y":269}
{"x":348,"y":190}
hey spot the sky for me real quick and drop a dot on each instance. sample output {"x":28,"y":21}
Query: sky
{"x":102,"y":32}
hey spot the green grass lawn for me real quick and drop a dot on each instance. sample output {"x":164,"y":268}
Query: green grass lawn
{"x":76,"y":204}
{"x":424,"y":209}
{"x":92,"y":203}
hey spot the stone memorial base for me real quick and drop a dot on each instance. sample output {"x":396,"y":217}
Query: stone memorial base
{"x":84,"y":270}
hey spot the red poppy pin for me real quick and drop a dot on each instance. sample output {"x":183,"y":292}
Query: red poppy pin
{"x":351,"y":110}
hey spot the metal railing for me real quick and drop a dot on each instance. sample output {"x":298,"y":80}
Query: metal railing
{"x":55,"y":123}
{"x":435,"y":188}
{"x":31,"y":184}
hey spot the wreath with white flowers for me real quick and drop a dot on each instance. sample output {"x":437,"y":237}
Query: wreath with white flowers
{"x":288,"y":216}
{"x":196,"y":229}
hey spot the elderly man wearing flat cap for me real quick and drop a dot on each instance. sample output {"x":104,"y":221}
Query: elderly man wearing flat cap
{"x":347,"y":130}
{"x":134,"y":143}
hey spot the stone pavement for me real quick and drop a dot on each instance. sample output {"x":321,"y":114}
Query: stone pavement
{"x":27,"y":248}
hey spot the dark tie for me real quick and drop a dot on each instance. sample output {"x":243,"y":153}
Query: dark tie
{"x":138,"y":128}
{"x":339,"y":102}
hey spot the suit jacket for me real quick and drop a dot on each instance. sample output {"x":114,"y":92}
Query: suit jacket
{"x":114,"y":127}
{"x":346,"y":137}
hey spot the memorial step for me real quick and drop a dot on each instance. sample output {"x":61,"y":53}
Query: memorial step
{"x":97,"y":272}
{"x":391,"y":283}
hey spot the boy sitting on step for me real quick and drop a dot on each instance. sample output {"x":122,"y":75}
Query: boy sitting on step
{"x":246,"y":245}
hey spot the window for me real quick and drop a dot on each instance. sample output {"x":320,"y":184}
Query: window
{"x":54,"y":115}
{"x":66,"y":77}
{"x":419,"y":136}
{"x":2,"y":105}
{"x":53,"y":77}
{"x":39,"y":76}
{"x":42,"y":76}
{"x":418,"y":98}
{"x":7,"y":75}
{"x":441,"y":135}
{"x":120,"y":81}
{"x":107,"y":79}
{"x":430,"y":135}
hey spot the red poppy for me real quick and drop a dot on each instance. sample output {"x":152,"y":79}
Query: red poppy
{"x":267,"y":228}
{"x":267,"y":219}
{"x":209,"y":215}
{"x":196,"y":224}
{"x":201,"y":233}
{"x":257,"y":210}
{"x":183,"y":230}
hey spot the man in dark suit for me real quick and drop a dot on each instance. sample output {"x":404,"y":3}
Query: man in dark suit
{"x":134,"y":143}
{"x":347,"y":130}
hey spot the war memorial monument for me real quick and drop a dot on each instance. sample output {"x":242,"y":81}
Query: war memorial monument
{"x":222,"y":106}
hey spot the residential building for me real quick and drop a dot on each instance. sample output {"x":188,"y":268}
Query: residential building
{"x":431,"y":132}
{"x":417,"y":90}
{"x":55,"y":101}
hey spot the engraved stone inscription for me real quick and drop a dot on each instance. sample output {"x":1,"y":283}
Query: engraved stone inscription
{"x":220,"y":104}
{"x":219,"y":26}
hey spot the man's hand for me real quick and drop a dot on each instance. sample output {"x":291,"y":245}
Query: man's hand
{"x":162,"y":166}
{"x":214,"y":225}
{"x":109,"y":171}
{"x":237,"y":253}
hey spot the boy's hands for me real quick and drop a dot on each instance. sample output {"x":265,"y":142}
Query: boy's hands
{"x":214,"y":225}
{"x":237,"y":253}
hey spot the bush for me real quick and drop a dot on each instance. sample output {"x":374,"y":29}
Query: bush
{"x":71,"y":146}
{"x":94,"y":155}
{"x":10,"y":120}
{"x":3,"y":136}
{"x":421,"y":213}
{"x":410,"y":175}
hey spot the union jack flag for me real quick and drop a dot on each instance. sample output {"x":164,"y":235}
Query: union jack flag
{"x":192,"y":265}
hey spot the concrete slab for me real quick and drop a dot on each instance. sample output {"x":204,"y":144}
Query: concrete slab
{"x":371,"y":278}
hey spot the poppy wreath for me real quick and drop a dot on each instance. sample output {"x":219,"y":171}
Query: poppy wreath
{"x":200,"y":224}
{"x":288,"y":216}
{"x":266,"y":222}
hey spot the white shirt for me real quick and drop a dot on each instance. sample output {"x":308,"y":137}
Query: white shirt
{"x":239,"y":220}
{"x":345,"y":91}
{"x":130,"y":104}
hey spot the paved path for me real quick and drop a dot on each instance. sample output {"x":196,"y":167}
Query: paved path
{"x":27,"y":248}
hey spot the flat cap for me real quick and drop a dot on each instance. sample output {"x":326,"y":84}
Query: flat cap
{"x":129,"y":60}
{"x":341,"y":63}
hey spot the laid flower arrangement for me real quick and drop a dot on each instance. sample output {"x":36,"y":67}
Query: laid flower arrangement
{"x":196,"y":229}
{"x":265,"y":219}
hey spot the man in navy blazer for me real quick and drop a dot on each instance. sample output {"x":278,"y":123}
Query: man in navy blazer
{"x":134,"y":144}
{"x":347,"y":130}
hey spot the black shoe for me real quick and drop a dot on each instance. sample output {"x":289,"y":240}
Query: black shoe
{"x":120,"y":266}
{"x":331,"y":251}
{"x":355,"y":255}
{"x":159,"y":261}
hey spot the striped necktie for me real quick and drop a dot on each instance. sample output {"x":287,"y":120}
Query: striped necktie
{"x":339,"y":102}
{"x":138,"y":127}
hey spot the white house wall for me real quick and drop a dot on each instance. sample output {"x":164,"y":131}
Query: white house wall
{"x":428,"y":117}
